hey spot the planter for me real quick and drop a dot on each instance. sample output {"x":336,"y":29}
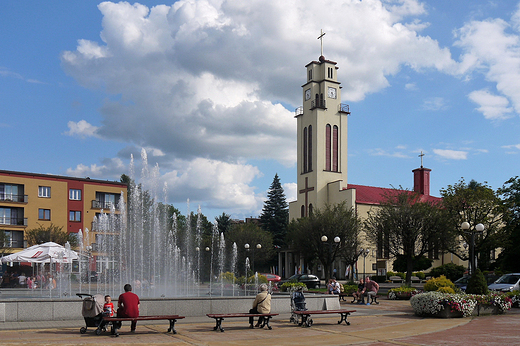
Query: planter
{"x":447,"y":313}
{"x":487,"y":310}
{"x":403,"y":295}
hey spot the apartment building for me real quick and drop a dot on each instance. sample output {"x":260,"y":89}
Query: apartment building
{"x":28,"y":200}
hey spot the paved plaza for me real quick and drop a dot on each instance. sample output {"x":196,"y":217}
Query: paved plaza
{"x":390,"y":323}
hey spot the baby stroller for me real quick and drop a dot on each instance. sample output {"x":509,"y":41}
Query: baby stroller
{"x":297,"y":304}
{"x":92,"y":312}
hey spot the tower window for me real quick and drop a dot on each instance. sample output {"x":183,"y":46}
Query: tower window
{"x":309,"y":149}
{"x":327,"y":147}
{"x":310,"y":74}
{"x":330,"y":72}
{"x":335,"y":149}
{"x":303,"y":211}
{"x":304,"y":150}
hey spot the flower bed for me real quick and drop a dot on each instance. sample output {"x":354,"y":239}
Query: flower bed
{"x":402,"y":293}
{"x":436,"y":304}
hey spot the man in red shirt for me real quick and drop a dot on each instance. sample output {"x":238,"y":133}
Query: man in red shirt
{"x":128,"y":305}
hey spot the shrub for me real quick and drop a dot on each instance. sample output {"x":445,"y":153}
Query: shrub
{"x":449,"y":270}
{"x":420,"y":275}
{"x":477,"y":284}
{"x":290,"y":286}
{"x":349,"y":289}
{"x":394,"y":293}
{"x":228,"y":277}
{"x":435,"y":283}
{"x":446,"y":290}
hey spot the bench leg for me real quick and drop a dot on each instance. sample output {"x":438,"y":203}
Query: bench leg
{"x":218,"y":325}
{"x":115,"y":326}
{"x":373,"y":300}
{"x":172,"y":326}
{"x":344,"y":318}
{"x":266,"y":323}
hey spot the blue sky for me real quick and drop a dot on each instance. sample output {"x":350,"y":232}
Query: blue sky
{"x":207,"y":89}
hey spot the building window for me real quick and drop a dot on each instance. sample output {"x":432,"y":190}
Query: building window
{"x":309,"y":149}
{"x":14,"y":239}
{"x":9,"y":192}
{"x":310,"y":74}
{"x":327,"y":147}
{"x":5,"y":216}
{"x":74,"y":215}
{"x":335,"y":149}
{"x":75,"y":195}
{"x":44,"y":214}
{"x":302,"y":211}
{"x":105,"y":200}
{"x":305,"y":150}
{"x":44,"y":191}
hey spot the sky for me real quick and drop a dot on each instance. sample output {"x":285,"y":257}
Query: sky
{"x":196,"y":99}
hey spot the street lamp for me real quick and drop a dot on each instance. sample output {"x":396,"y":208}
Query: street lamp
{"x":324,"y":239}
{"x":210,"y":269}
{"x":364,"y":253}
{"x":479,"y":228}
{"x":88,"y":248}
{"x":258,"y":246}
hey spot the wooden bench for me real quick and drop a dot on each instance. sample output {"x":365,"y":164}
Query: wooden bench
{"x":116,"y":326}
{"x":395,"y":279}
{"x":220,"y":317}
{"x":307,"y":321}
{"x":342,"y":296}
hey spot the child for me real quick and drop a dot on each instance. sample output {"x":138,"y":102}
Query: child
{"x":108,"y":308}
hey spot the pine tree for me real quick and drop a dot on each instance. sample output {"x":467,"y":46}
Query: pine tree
{"x":275,"y":214}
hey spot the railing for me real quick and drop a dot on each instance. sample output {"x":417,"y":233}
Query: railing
{"x":14,"y":198}
{"x":344,"y":108}
{"x":102,"y":205}
{"x":13,"y":221}
{"x":298,"y":111}
{"x":318,"y":104}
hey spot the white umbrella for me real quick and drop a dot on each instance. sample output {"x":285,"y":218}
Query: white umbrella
{"x":43,"y":253}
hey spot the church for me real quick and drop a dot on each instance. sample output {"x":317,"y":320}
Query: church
{"x":322,"y":163}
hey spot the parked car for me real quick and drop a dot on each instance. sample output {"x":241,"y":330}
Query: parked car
{"x":272,"y":277}
{"x":462,"y":283}
{"x":506,"y":283}
{"x":311,"y":281}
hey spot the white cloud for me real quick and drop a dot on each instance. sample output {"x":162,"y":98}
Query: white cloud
{"x":81,"y":129}
{"x":493,"y":107}
{"x":451,"y":154}
{"x":434,"y":104}
{"x":489,"y":47}
{"x":290,"y":190}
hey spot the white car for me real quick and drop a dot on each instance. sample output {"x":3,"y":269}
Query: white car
{"x":506,"y":283}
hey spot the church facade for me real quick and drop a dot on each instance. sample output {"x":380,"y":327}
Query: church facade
{"x":322,"y":139}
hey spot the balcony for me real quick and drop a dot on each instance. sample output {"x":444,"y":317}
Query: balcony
{"x":317,"y":103}
{"x":13,"y":221}
{"x":298,"y":111}
{"x":344,"y":108}
{"x":14,"y":198}
{"x":103,"y":205}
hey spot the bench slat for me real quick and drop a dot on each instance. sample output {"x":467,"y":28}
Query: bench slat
{"x":238,"y":315}
{"x":321,"y":312}
{"x":143,"y":318}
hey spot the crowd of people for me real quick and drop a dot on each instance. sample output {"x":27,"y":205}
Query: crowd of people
{"x":20,"y":280}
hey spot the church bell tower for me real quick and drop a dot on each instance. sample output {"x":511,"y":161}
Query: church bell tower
{"x":322,"y":138}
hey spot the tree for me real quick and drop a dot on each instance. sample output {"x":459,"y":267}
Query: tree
{"x":4,"y":240}
{"x":337,"y":220}
{"x":419,"y":263}
{"x":477,"y":284}
{"x":509,"y":258}
{"x":404,"y":225}
{"x":52,"y":233}
{"x":252,"y":234}
{"x":474,"y":203}
{"x":275,"y":214}
{"x":223,"y":222}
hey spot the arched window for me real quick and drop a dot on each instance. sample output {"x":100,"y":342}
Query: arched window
{"x":311,"y":208}
{"x":303,"y":211}
{"x":304,"y":150}
{"x":309,"y":148}
{"x":335,"y":149}
{"x":327,"y":147}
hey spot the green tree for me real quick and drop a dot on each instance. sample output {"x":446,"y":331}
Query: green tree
{"x":252,"y":234}
{"x":338,"y":220}
{"x":450,"y":270}
{"x":474,"y":203}
{"x":419,"y":263}
{"x":509,"y":258}
{"x":477,"y":284}
{"x":52,"y":233}
{"x":405,"y":225}
{"x":275,"y":214}
{"x":223,"y":222}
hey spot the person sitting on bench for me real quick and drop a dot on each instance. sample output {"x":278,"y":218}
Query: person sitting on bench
{"x":357,"y":295}
{"x":128,"y":306}
{"x":261,"y":305}
{"x":371,"y":288}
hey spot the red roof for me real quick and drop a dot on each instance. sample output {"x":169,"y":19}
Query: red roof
{"x":377,"y":195}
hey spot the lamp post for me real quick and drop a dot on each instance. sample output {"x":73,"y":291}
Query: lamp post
{"x":210,"y":270}
{"x":364,"y":253}
{"x":324,"y":240}
{"x":258,"y":246}
{"x":479,"y":228}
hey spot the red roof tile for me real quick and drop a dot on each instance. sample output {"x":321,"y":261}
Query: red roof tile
{"x":377,"y":195}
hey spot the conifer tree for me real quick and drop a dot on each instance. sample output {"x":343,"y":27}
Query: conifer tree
{"x":275,"y":214}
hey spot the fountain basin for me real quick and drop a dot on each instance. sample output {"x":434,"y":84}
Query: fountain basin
{"x":18,"y":310}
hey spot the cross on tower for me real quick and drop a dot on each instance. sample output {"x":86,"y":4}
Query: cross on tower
{"x":306,"y":191}
{"x":421,"y":156}
{"x":321,"y":39}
